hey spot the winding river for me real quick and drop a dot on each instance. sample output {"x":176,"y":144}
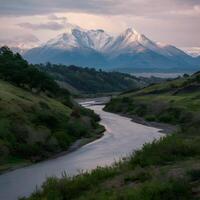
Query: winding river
{"x":122,"y":136}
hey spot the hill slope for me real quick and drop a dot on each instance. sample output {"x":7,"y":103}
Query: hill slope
{"x":37,"y":117}
{"x":174,"y":102}
{"x":90,"y":81}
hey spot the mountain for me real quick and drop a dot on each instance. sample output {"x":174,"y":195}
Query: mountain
{"x":193,"y":51}
{"x":95,"y":48}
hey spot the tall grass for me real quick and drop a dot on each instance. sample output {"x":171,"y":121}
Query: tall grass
{"x":166,"y":150}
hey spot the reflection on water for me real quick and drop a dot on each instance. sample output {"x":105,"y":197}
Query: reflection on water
{"x":160,"y":75}
{"x":120,"y":139}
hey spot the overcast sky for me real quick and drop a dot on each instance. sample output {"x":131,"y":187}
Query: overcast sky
{"x":174,"y":22}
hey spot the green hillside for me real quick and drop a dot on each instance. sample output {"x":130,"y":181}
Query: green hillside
{"x":168,"y":169}
{"x":37,"y":118}
{"x":81,"y":81}
{"x":175,"y":102}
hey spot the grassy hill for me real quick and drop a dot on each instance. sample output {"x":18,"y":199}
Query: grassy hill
{"x":175,"y":102}
{"x":166,"y":169}
{"x":81,"y":81}
{"x":37,"y":120}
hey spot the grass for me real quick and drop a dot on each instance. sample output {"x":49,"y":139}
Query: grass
{"x":166,"y":150}
{"x":35,"y":126}
{"x":171,"y":102}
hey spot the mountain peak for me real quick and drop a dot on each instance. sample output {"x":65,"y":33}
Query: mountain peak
{"x":130,"y":35}
{"x":131,"y":30}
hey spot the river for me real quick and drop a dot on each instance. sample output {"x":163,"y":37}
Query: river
{"x":122,"y":136}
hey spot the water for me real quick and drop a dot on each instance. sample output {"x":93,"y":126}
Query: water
{"x":160,"y":75}
{"x":120,"y":138}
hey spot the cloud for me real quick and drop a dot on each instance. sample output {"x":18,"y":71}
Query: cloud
{"x":48,"y":26}
{"x":171,"y":21}
{"x":20,"y":40}
{"x":109,"y":7}
{"x":26,"y":38}
{"x":56,"y":18}
{"x":57,"y":23}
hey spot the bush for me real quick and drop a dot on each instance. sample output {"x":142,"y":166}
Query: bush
{"x":73,"y":187}
{"x":194,"y":174}
{"x":63,"y":138}
{"x":141,"y":110}
{"x":150,"y":118}
{"x":157,"y":190}
{"x":140,"y":175}
{"x":47,"y":119}
{"x":167,"y":149}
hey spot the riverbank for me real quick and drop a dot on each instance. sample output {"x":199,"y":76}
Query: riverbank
{"x":164,"y":127}
{"x":121,"y":138}
{"x":14,"y":164}
{"x":73,"y":147}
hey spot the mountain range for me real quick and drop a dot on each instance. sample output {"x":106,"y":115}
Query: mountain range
{"x":129,"y":51}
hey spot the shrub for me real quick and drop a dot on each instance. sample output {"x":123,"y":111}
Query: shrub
{"x":157,"y":190}
{"x":140,"y":175}
{"x":63,"y":138}
{"x":141,"y":110}
{"x":73,"y":187}
{"x":194,"y":174}
{"x":167,"y":149}
{"x":47,"y":119}
{"x":150,"y":118}
{"x":44,"y":105}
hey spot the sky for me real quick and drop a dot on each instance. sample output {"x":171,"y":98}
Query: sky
{"x":175,"y":22}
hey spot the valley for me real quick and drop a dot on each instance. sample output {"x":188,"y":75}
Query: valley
{"x":90,"y":82}
{"x":167,"y":168}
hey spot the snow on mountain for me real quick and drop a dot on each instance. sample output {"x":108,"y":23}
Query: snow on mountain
{"x":126,"y":42}
{"x":96,"y":48}
{"x":132,"y":41}
{"x":80,"y":38}
{"x":193,"y":51}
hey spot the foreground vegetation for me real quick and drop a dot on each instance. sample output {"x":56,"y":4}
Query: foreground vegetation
{"x":37,"y":118}
{"x":166,"y":169}
{"x":161,"y":170}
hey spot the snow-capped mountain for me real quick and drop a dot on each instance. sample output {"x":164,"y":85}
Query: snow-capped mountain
{"x":193,"y":51}
{"x":96,"y":48}
{"x":80,"y":38}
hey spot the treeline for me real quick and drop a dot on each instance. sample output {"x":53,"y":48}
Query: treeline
{"x":14,"y":69}
{"x":90,"y":80}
